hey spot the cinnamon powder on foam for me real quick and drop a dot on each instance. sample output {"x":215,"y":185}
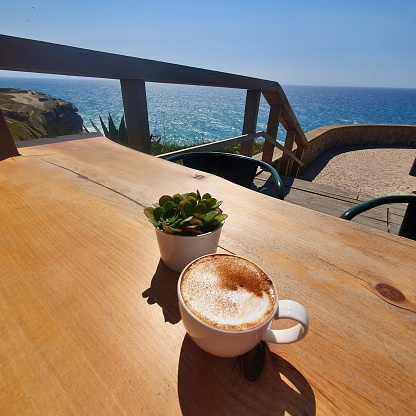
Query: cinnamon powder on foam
{"x":228,"y":292}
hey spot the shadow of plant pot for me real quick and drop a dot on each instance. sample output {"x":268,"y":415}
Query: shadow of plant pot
{"x":177,"y":251}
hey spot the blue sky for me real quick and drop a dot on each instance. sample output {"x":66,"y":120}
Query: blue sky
{"x":342,"y":43}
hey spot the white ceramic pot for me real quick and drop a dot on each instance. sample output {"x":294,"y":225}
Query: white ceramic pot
{"x":177,"y":251}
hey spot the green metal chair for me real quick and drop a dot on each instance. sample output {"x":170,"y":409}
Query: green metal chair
{"x":235,"y":168}
{"x":408,"y":227}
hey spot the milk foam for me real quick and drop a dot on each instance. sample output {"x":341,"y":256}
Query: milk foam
{"x":228,"y":292}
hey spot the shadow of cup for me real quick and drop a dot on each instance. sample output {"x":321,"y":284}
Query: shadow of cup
{"x":209,"y":385}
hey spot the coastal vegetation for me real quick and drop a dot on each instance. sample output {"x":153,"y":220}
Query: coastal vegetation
{"x":158,"y":144}
{"x":20,"y":130}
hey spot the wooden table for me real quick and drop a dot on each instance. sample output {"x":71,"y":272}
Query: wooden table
{"x":89,"y":319}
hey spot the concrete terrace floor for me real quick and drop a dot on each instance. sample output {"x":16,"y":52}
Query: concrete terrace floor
{"x":370,"y":170}
{"x":345,"y":177}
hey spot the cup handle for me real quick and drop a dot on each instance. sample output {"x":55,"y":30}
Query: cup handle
{"x":289,"y":309}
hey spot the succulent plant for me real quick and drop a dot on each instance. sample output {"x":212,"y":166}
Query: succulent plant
{"x":186,"y":214}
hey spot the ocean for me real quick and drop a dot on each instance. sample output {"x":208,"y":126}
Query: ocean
{"x":190,"y":114}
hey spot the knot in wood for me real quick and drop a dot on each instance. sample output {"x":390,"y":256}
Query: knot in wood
{"x":198,"y":175}
{"x":390,"y":292}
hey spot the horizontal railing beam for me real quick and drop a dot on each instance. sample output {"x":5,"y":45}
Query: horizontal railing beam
{"x":211,"y":147}
{"x":17,"y":54}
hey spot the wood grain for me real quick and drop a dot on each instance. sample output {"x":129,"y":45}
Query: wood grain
{"x":89,"y":318}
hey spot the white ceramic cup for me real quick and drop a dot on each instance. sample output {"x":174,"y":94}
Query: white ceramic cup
{"x":232,"y":343}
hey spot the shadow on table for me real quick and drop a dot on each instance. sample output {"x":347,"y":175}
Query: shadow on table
{"x":209,"y":385}
{"x":162,"y":291}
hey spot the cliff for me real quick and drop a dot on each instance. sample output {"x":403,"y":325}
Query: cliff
{"x":31,"y":115}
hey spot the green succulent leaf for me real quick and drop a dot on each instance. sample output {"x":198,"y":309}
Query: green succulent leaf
{"x":188,"y":219}
{"x":194,"y":195}
{"x":210,"y":216}
{"x":163,"y":199}
{"x":148,"y":212}
{"x":188,"y":208}
{"x":221,"y":217}
{"x":207,"y":202}
{"x":157,"y":212}
{"x":191,"y":199}
{"x":206,"y":196}
{"x":213,"y":202}
{"x":169,"y":208}
{"x":154,"y":222}
{"x":201,"y":208}
{"x":213,"y":223}
{"x":199,"y":216}
{"x":196,"y":222}
{"x":170,"y":229}
{"x":177,"y":198}
{"x":175,"y":223}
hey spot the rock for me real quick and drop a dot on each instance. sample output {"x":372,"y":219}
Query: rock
{"x":32,"y":115}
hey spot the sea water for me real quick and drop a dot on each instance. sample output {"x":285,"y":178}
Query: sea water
{"x":185,"y":115}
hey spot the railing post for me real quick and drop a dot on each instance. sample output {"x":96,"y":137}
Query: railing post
{"x":250,"y":119}
{"x":135,"y":111}
{"x":272,"y":128}
{"x":285,"y":162}
{"x":295,"y":167}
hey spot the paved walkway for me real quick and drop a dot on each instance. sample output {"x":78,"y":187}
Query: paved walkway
{"x":373,"y":170}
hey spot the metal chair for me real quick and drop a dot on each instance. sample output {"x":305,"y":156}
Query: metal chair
{"x":235,"y":168}
{"x":408,"y":227}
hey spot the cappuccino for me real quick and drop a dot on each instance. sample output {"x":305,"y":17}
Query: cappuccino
{"x":228,"y":292}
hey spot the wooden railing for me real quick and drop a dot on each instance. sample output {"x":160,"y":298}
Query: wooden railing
{"x":17,"y":54}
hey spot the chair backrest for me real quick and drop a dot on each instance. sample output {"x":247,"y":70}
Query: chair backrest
{"x":235,"y":168}
{"x":408,"y":227}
